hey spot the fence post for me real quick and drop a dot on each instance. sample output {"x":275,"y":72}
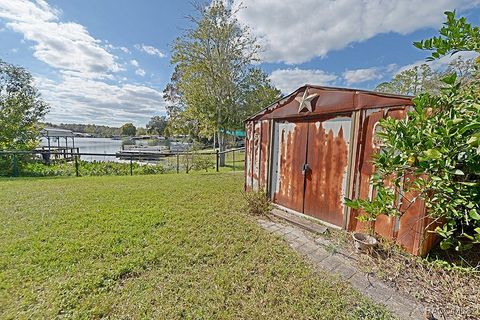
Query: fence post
{"x":187,"y":162}
{"x":131,"y":165}
{"x":178,"y":163}
{"x":76,"y":165}
{"x":233,"y":155}
{"x":216,"y":160}
{"x":15,"y":167}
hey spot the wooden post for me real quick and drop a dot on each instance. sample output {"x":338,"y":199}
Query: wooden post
{"x":76,"y":164}
{"x":15,"y":167}
{"x":178,"y":163}
{"x":66,"y":147}
{"x":131,"y":165}
{"x":187,"y":162}
{"x":217,"y":160}
{"x":233,"y":155}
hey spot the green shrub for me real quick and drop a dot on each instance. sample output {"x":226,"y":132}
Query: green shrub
{"x":202,"y":162}
{"x":85,"y":168}
{"x":434,"y":152}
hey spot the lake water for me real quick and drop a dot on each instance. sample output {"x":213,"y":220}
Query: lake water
{"x":92,"y":145}
{"x":102,"y":145}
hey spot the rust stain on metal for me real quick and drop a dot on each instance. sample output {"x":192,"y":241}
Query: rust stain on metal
{"x":411,"y":228}
{"x":384,"y":225}
{"x":365,"y":168}
{"x":327,"y":158}
{"x":290,"y":178}
{"x":263,"y":173}
{"x":256,"y":155}
{"x":248,"y":156}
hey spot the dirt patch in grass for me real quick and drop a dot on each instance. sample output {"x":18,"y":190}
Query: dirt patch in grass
{"x":445,"y":282}
{"x":449,"y":292}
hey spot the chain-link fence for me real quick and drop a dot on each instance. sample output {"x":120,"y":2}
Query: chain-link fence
{"x":71,"y":162}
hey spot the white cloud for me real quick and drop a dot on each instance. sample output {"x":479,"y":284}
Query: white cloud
{"x":85,"y":100}
{"x":87,"y":90}
{"x":288,"y":80}
{"x":362,"y":75}
{"x":121,"y":48}
{"x":140,"y":72}
{"x":124,"y":49}
{"x":389,"y":71}
{"x":150,"y":50}
{"x":297,"y":31}
{"x":134,"y":62}
{"x":28,"y":10}
{"x":442,"y":63}
{"x":63,"y":45}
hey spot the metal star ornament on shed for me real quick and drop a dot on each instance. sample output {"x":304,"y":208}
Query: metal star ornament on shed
{"x":305,"y":101}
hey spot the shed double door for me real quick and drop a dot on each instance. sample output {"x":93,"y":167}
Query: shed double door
{"x":310,"y":164}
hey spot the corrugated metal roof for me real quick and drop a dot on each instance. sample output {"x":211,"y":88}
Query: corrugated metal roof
{"x":54,"y":132}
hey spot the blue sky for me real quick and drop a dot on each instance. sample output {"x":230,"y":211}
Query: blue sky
{"x":107,"y":62}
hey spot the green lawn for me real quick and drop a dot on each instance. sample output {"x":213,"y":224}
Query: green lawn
{"x":163,"y":246}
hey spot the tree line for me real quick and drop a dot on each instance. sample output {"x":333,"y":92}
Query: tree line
{"x":156,"y":126}
{"x":91,"y":129}
{"x":422,"y":78}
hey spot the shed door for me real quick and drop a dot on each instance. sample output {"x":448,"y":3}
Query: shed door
{"x":310,"y":165}
{"x":326,"y":177}
{"x":288,"y":182}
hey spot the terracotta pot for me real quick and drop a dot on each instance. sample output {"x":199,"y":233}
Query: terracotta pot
{"x":364,"y":242}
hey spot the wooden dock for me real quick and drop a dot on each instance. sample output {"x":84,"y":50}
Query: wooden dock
{"x":139,"y":154}
{"x":55,"y":154}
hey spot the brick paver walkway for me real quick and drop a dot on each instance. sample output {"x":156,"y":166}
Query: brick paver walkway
{"x":318,"y":251}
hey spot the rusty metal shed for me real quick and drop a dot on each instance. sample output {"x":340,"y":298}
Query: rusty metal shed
{"x":312,"y":148}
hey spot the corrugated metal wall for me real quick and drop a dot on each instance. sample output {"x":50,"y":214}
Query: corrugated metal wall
{"x":256,"y":155}
{"x":408,"y":230}
{"x":328,"y":159}
{"x":287,"y":174}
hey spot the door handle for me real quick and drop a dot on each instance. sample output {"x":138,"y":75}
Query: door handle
{"x":305,"y":168}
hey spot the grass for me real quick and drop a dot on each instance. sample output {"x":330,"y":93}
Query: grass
{"x":159,"y":246}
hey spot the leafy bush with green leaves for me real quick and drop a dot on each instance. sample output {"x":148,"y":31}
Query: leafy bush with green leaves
{"x":202,"y":162}
{"x":455,"y":35}
{"x":85,"y":168}
{"x":197,"y":160}
{"x":434,"y":152}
